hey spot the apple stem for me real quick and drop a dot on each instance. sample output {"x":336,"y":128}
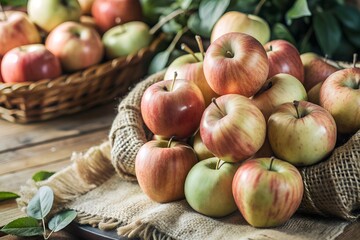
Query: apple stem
{"x":200,"y":44}
{"x":271,"y":162}
{"x":2,"y":10}
{"x":214,"y":101}
{"x":164,"y":20}
{"x":270,"y":48}
{"x":188,"y":50}
{"x":354,"y":60}
{"x":229,"y":54}
{"x":258,"y":7}
{"x":217,"y":164}
{"x":173,"y":81}
{"x":170,"y":141}
{"x":296,"y":105}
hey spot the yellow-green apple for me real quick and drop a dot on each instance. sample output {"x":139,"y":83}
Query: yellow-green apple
{"x":301,"y":133}
{"x":316,"y":69}
{"x":16,"y":29}
{"x":236,"y":63}
{"x":125,"y":39}
{"x":172,"y":108}
{"x":109,"y":13}
{"x":48,"y":14}
{"x":190,"y":68}
{"x":86,"y":6}
{"x":314,"y":93}
{"x":76,"y":45}
{"x":202,"y":152}
{"x":233,"y":21}
{"x":267,"y":191}
{"x":279,"y":89}
{"x":161,"y":168}
{"x":233,"y":128}
{"x":284,"y":58}
{"x":29,"y":63}
{"x":208,"y":187}
{"x":340,"y":95}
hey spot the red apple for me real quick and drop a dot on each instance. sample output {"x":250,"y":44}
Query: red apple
{"x":301,"y":133}
{"x":236,"y":63}
{"x":16,"y":29}
{"x":279,"y":89}
{"x":109,"y":13}
{"x":284,"y":58}
{"x":340,"y":95}
{"x":76,"y":45}
{"x":172,"y":108}
{"x":267,"y":191}
{"x":161,"y":168}
{"x":29,"y":63}
{"x":233,"y":128}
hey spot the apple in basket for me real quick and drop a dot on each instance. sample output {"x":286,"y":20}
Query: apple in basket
{"x":202,"y":152}
{"x":244,"y":23}
{"x":16,"y":29}
{"x":236,"y":63}
{"x":279,"y":89}
{"x":284,"y":58}
{"x":161,"y":168}
{"x":233,"y":128}
{"x":208,"y":187}
{"x":29,"y":63}
{"x":301,"y":133}
{"x":267,"y":191}
{"x":172,"y":108}
{"x":48,"y":14}
{"x":109,"y":13}
{"x":133,"y":36}
{"x":340,"y":95}
{"x":76,"y":45}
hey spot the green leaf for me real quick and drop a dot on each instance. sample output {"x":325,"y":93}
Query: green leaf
{"x":42,"y":175}
{"x":210,"y":11}
{"x":327,"y":32}
{"x":24,"y":227}
{"x":7,"y":195}
{"x":298,"y":10}
{"x":61,"y":220}
{"x":40,"y":205}
{"x":159,"y":61}
{"x":353,"y":37}
{"x":348,"y":16}
{"x":280,"y":31}
{"x":197,"y":26}
{"x":15,"y":3}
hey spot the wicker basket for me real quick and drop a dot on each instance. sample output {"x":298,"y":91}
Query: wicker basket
{"x":67,"y":94}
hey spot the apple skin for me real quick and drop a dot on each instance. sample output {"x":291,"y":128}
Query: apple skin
{"x":109,"y":13}
{"x":236,"y":63}
{"x":133,"y":36}
{"x":48,"y":14}
{"x":208,"y":189}
{"x":316,"y":69}
{"x":1,"y":78}
{"x":314,"y":94}
{"x":284,"y":58}
{"x":236,"y":132}
{"x":267,"y":198}
{"x":76,"y":45}
{"x":16,"y":30}
{"x":279,"y":89}
{"x":172,"y":112}
{"x":340,"y":95}
{"x":29,"y":63}
{"x":301,"y":141}
{"x":187,"y":67}
{"x":233,"y":21}
{"x":202,"y":152}
{"x":161,"y":170}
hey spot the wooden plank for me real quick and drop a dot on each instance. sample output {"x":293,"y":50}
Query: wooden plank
{"x":15,"y":136}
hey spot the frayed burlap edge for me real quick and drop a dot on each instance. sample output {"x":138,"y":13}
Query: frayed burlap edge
{"x":143,"y":230}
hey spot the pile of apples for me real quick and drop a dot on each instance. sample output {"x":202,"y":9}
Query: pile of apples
{"x":233,"y":124}
{"x":54,"y":37}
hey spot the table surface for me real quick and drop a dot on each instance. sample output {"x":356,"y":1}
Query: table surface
{"x":28,"y":148}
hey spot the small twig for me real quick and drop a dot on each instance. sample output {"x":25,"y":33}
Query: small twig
{"x":164,"y":20}
{"x":200,"y":44}
{"x":176,"y":39}
{"x":258,"y":7}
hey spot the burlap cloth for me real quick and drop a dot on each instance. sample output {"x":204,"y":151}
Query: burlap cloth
{"x":100,"y":185}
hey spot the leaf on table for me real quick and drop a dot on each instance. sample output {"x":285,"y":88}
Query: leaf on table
{"x":298,"y":10}
{"x":7,"y":196}
{"x":24,"y":227}
{"x":42,"y":175}
{"x":159,"y":61}
{"x":40,"y":205}
{"x":61,"y":220}
{"x":280,"y":31}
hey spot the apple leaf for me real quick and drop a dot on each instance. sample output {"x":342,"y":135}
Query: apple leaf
{"x":40,"y":205}
{"x":349,"y":16}
{"x":24,"y":227}
{"x":159,"y":61}
{"x":42,"y":175}
{"x":353,"y":37}
{"x":197,"y":26}
{"x":210,"y":11}
{"x":7,"y":196}
{"x":327,"y":32}
{"x":280,"y":31}
{"x":61,"y":220}
{"x":298,"y":10}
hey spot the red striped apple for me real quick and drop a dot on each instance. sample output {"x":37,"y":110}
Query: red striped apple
{"x":267,"y":191}
{"x":236,"y":63}
{"x":233,"y":128}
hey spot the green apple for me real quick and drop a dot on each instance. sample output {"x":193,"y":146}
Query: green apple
{"x":48,"y":14}
{"x":208,"y":187}
{"x":202,"y":152}
{"x":126,"y":39}
{"x":240,"y":22}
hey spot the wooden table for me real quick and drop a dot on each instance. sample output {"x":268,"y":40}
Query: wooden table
{"x":27,"y":149}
